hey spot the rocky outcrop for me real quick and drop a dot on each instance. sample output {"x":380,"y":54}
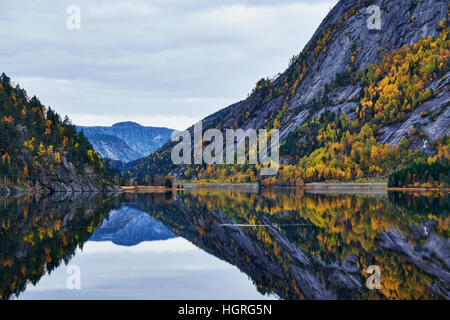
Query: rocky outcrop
{"x":41,"y":152}
{"x":62,"y":179}
{"x":398,"y":28}
{"x":350,"y":44}
{"x":433,"y":117}
{"x":402,"y":22}
{"x":66,"y":178}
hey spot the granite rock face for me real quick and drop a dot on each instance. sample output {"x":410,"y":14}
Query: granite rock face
{"x":433,"y":117}
{"x":66,"y":179}
{"x":398,"y":27}
{"x":403,"y":22}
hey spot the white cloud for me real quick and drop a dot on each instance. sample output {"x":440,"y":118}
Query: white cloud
{"x":158,"y":61}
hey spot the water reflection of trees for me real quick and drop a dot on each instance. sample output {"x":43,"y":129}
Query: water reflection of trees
{"x":328,"y":240}
{"x":310,"y":245}
{"x":36,"y":236}
{"x":422,"y":202}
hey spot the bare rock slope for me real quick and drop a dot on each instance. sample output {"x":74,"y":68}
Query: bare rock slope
{"x":343,"y":40}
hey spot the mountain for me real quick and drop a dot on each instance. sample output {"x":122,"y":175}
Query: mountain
{"x":356,"y":103}
{"x":126,"y":141}
{"x":113,"y":148}
{"x":41,"y":152}
{"x":128,"y":227}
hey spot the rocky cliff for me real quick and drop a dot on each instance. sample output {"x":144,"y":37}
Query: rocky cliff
{"x":41,"y":152}
{"x":337,"y":72}
{"x":403,"y":22}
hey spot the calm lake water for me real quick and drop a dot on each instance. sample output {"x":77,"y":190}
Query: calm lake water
{"x":223,"y":244}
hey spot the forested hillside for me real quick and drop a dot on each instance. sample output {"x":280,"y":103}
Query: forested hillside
{"x":42,"y":152}
{"x":355,"y":105}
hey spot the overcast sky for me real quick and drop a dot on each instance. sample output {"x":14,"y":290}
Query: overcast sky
{"x":156,"y":62}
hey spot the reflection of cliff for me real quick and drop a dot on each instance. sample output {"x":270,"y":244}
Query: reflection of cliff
{"x":128,"y":227}
{"x":316,"y":246}
{"x":37,"y":235}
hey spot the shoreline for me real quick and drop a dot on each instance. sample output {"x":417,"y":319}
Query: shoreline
{"x":346,"y":185}
{"x":224,"y":185}
{"x":6,"y":191}
{"x":376,"y":186}
{"x":148,"y":189}
{"x":420,"y":189}
{"x":329,"y":186}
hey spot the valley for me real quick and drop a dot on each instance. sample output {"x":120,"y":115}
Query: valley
{"x":328,"y":181}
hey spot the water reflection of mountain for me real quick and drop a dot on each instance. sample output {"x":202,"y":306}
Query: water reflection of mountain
{"x":291,"y":244}
{"x":128,"y":226}
{"x":316,"y":246}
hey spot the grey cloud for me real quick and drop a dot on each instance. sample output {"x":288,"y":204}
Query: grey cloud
{"x":157,"y":59}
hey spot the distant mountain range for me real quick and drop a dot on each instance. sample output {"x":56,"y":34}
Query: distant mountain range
{"x":129,"y":227}
{"x":126,"y":141}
